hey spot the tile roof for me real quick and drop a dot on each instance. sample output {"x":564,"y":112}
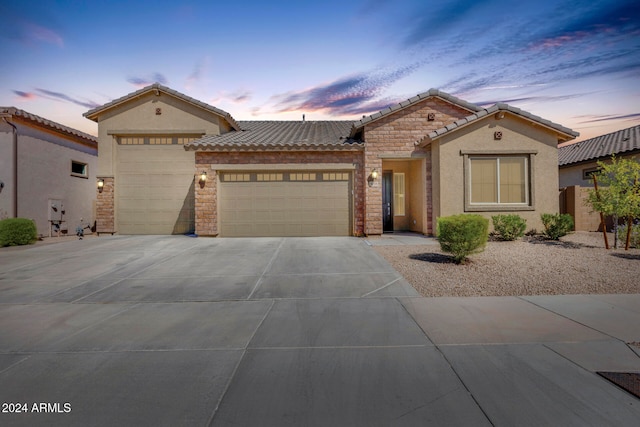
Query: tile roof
{"x":92,"y":114}
{"x":567,"y":133}
{"x":16,"y":112}
{"x":623,"y":141}
{"x":281,"y":135}
{"x":411,"y":101}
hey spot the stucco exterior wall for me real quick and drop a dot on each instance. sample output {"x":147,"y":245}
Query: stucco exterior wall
{"x":6,"y":170}
{"x":138,"y":116}
{"x":44,"y":174}
{"x":572,"y":175}
{"x":395,"y":136}
{"x":518,"y":135}
{"x":206,"y":197}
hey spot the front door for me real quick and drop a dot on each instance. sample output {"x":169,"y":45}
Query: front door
{"x":387,"y":201}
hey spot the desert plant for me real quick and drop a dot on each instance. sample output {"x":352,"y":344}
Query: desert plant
{"x":509,"y":227}
{"x":17,"y":231}
{"x":556,"y":225}
{"x":634,"y":239}
{"x":619,"y":191}
{"x":462,"y":235}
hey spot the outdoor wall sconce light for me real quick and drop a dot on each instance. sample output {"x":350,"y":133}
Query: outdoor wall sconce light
{"x":374,"y":175}
{"x":100,"y":185}
{"x":203,"y":179}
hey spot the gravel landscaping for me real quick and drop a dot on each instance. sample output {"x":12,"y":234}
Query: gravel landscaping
{"x":577,"y":264}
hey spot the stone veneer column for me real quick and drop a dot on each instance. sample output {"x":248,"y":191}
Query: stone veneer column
{"x":105,"y":210}
{"x":373,"y":195}
{"x":206,"y":201}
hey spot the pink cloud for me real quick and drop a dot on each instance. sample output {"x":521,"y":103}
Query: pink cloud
{"x":41,"y":34}
{"x":25,"y":96}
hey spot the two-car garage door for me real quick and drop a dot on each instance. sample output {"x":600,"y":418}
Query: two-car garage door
{"x":284,"y":203}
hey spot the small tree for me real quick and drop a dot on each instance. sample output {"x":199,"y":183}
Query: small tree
{"x":619,"y":191}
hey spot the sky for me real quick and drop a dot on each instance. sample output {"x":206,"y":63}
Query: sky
{"x":576,"y":63}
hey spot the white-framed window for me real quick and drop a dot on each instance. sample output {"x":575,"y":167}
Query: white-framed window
{"x":398,"y":194}
{"x":79,"y":169}
{"x":498,"y":180}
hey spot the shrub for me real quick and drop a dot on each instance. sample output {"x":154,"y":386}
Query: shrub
{"x":462,"y":235}
{"x":509,"y":227}
{"x":17,"y":231}
{"x":556,"y":225}
{"x":635,"y":235}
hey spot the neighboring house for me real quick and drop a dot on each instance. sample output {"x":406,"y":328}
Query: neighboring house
{"x":172,"y":164}
{"x":47,"y":172}
{"x":579,"y":160}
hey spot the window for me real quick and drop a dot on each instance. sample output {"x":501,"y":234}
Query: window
{"x":332,"y":176}
{"x":398,"y":194}
{"x":302,"y":176}
{"x":269,"y":177}
{"x":160,"y":140}
{"x":236,"y":177}
{"x":500,"y":180}
{"x":156,"y":140}
{"x":131,"y":140}
{"x":79,"y":169}
{"x":588,"y":173}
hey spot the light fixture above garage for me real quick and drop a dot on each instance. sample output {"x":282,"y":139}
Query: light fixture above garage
{"x":100,"y":185}
{"x":203,"y":179}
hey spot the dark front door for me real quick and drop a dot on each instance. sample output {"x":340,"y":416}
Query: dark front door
{"x":387,"y":201}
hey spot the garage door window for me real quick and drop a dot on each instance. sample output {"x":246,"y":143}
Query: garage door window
{"x":236,"y":177}
{"x":339,"y":176}
{"x":302,"y":177}
{"x":156,"y":140}
{"x":269,"y":177}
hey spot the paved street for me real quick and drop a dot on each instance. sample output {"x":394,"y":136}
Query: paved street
{"x":173,"y":330}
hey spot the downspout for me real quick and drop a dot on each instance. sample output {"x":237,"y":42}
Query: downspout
{"x":15,"y":167}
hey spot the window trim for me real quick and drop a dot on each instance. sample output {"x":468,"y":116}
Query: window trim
{"x":84,"y":175}
{"x":529,"y":205}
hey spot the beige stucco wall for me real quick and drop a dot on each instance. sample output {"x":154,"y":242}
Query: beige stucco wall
{"x":6,"y":170}
{"x":517,"y":135}
{"x":138,"y":116}
{"x":44,"y":173}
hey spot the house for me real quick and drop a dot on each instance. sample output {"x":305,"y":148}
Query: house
{"x":578,"y":161}
{"x":169,"y":163}
{"x":47,"y":172}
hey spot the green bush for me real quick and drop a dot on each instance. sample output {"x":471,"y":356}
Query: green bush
{"x":509,"y":227}
{"x":556,"y":225}
{"x":635,"y":235}
{"x":17,"y":231}
{"x":462,"y":235}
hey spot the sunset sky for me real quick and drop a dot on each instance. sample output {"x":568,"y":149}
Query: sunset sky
{"x":576,"y":63}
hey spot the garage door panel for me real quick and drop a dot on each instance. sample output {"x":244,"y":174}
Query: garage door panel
{"x":155,"y":190}
{"x":284,"y":208}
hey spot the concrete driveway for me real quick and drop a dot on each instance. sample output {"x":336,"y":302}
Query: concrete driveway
{"x":172,"y":330}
